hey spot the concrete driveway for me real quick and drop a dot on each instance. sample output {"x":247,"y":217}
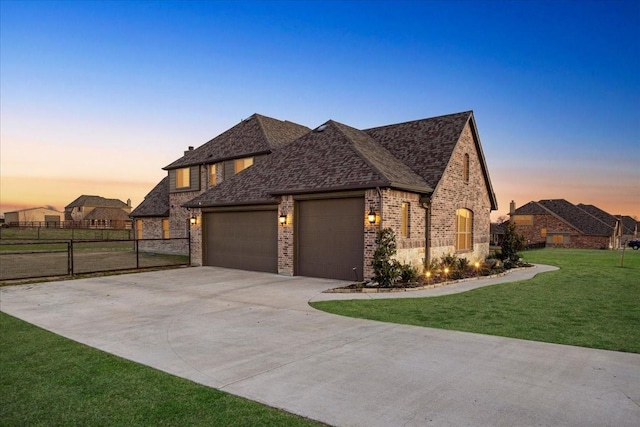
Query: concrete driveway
{"x":254,"y":335}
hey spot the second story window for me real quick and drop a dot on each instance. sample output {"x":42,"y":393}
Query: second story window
{"x":212,"y":175}
{"x":183,"y":178}
{"x":241,"y":164}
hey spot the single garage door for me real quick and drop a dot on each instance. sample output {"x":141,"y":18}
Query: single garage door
{"x":330,"y":238}
{"x":246,"y":240}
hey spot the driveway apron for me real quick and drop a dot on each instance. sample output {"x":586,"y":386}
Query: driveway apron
{"x":254,"y":335}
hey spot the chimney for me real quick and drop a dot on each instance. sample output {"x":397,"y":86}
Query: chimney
{"x":190,"y":149}
{"x":129,"y":202}
{"x":512,"y":207}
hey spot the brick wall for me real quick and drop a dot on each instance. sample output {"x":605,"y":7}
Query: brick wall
{"x":196,"y":239}
{"x":543,"y":227}
{"x":285,"y":237}
{"x":411,"y":249}
{"x":453,"y":193}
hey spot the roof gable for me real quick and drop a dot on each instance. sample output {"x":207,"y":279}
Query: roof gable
{"x":427,"y":145}
{"x":156,"y":203}
{"x":334,"y":157}
{"x":254,"y":135}
{"x":96,"y":201}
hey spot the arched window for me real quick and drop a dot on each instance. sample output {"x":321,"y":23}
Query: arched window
{"x":464,"y":228}
{"x":465,"y":168}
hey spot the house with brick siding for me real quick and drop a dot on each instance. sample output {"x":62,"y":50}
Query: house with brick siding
{"x":98,"y":211}
{"x":559,"y":223}
{"x":311,"y":204}
{"x":162,"y":214}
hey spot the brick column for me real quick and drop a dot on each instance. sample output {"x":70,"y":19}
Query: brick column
{"x":285,"y":236}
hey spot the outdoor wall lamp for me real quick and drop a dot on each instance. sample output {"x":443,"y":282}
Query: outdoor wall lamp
{"x":282,"y":219}
{"x":371,"y":216}
{"x":193,"y":220}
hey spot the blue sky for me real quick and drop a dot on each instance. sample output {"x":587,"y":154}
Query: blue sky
{"x":96,"y":97}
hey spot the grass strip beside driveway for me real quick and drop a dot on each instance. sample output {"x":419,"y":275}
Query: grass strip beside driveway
{"x":591,"y":302}
{"x":48,"y":380}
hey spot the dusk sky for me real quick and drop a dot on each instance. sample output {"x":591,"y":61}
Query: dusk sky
{"x":97,"y":97}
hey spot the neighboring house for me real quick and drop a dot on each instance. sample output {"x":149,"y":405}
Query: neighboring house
{"x":630,"y":228}
{"x":303,"y":206}
{"x":152,"y":215}
{"x":44,"y":216}
{"x":498,"y":231}
{"x":559,"y":223}
{"x":96,"y":211}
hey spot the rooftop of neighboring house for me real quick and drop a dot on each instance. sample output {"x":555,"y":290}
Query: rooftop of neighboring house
{"x":156,"y":203}
{"x":630,"y":225}
{"x":603,"y":216}
{"x":33,"y":209}
{"x":111,"y":214}
{"x":574,"y":216}
{"x":97,"y":201}
{"x":255,"y":135}
{"x":337,"y":157}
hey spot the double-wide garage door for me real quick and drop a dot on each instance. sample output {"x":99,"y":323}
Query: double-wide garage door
{"x":329,"y":239}
{"x":246,"y":240}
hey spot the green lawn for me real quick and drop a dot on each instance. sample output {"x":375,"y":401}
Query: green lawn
{"x":47,"y":380}
{"x":591,"y":301}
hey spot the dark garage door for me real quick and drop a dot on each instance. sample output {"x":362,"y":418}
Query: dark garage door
{"x":245,"y":240}
{"x":330,"y":238}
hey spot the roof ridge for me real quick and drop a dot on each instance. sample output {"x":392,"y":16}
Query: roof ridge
{"x":423,"y":119}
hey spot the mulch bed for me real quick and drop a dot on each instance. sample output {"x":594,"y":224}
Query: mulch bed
{"x":421,"y":283}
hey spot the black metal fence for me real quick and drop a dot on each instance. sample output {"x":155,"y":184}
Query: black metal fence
{"x":27,"y":260}
{"x":25,"y":232}
{"x":85,"y":223}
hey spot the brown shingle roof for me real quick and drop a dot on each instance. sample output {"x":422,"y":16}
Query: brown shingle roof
{"x":334,"y":157}
{"x":603,"y":216}
{"x":156,"y":203}
{"x":426,"y":145}
{"x":112,"y":214}
{"x":255,"y":135}
{"x":96,"y":201}
{"x":576,"y":217}
{"x":629,"y":224}
{"x":531,"y":208}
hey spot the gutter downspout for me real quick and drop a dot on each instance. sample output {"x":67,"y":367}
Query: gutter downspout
{"x":380,"y":200}
{"x":426,"y":204}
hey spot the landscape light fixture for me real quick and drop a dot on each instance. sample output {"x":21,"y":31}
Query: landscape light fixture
{"x":371,"y":216}
{"x":282,"y":218}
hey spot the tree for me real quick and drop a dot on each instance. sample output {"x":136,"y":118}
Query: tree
{"x":512,"y":244}
{"x":386,"y":271}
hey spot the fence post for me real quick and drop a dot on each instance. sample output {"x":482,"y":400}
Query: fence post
{"x":137,"y":253}
{"x":70,"y":256}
